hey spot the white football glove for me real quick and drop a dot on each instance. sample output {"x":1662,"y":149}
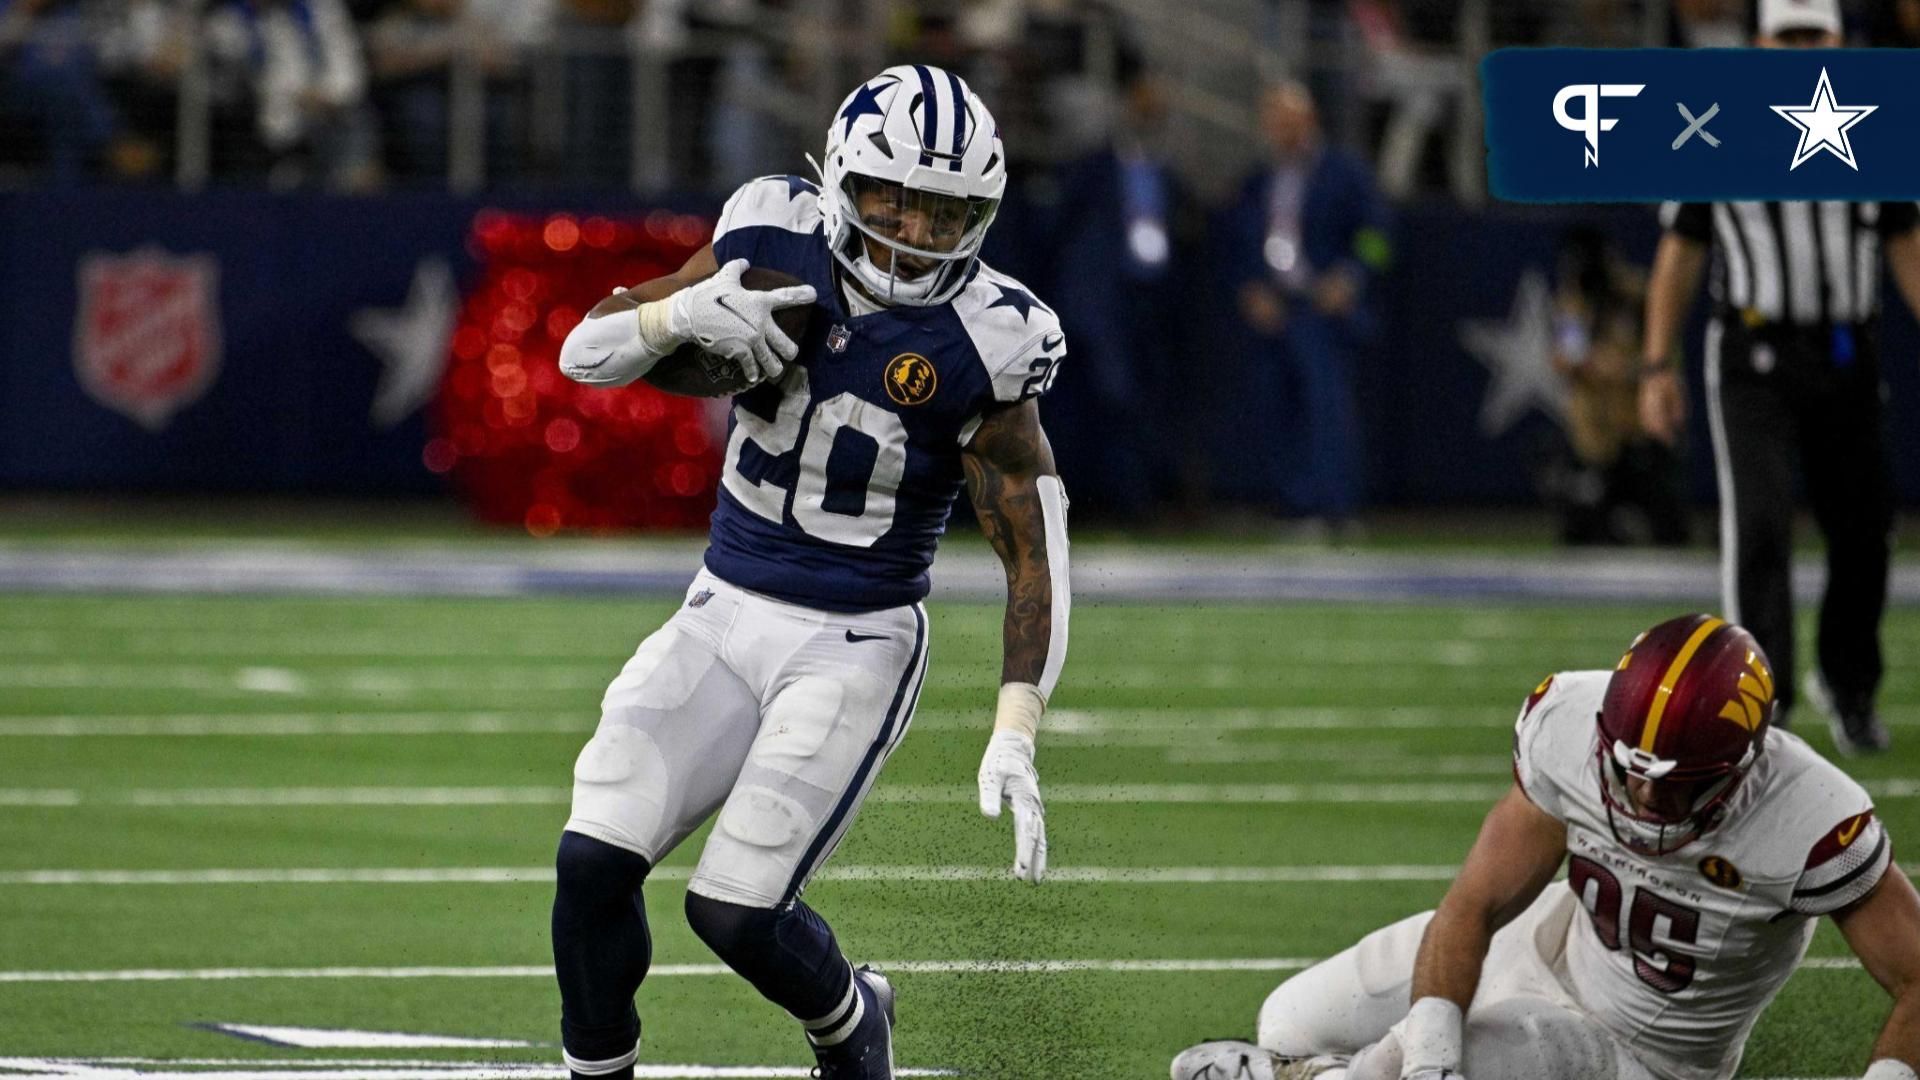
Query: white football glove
{"x":1007,"y":774}
{"x":728,"y":320}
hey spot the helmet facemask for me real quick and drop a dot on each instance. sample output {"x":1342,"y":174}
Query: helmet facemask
{"x":906,"y":245}
{"x":1655,"y":807}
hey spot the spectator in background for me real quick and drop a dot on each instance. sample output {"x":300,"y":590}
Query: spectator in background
{"x":411,"y":50}
{"x":51,"y":92}
{"x":416,"y":50}
{"x":1894,"y":24}
{"x":1125,"y":227}
{"x":144,"y":51}
{"x":1709,"y":24}
{"x":1303,"y":244}
{"x":1420,"y":78}
{"x":1621,"y":486}
{"x":297,"y":65}
{"x":599,"y":84}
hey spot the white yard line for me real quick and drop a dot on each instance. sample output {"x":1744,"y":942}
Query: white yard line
{"x":339,"y":1069}
{"x":1190,"y":728}
{"x":545,"y":971}
{"x":1478,"y":793}
{"x":517,"y":875}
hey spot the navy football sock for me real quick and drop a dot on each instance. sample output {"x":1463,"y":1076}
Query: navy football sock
{"x":788,"y":954}
{"x":601,"y":951}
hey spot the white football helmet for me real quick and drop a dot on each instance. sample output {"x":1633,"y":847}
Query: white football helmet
{"x":922,"y":149}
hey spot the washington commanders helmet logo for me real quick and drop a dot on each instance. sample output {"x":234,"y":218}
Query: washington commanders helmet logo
{"x":1756,"y":693}
{"x":1721,"y":872}
{"x":911,"y":379}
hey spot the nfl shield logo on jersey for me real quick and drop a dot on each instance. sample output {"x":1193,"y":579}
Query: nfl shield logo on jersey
{"x":146,"y":340}
{"x":838,"y":337}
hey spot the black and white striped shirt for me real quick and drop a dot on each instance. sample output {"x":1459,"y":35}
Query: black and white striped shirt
{"x":1801,"y":263}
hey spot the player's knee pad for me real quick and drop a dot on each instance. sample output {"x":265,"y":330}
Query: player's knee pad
{"x":733,"y":930}
{"x":788,"y":953}
{"x":590,"y":871}
{"x":1348,"y":1000}
{"x":619,"y":788}
{"x":1523,"y":1037}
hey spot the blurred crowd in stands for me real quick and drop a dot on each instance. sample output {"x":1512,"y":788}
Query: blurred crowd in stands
{"x":359,"y":94}
{"x":1277,"y":224}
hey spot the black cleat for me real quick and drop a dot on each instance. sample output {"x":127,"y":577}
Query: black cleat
{"x":866,"y":1053}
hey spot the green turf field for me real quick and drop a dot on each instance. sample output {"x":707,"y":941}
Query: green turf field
{"x":144,"y":741}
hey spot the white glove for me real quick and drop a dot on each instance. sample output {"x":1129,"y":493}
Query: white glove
{"x":1007,"y":774}
{"x":728,"y":320}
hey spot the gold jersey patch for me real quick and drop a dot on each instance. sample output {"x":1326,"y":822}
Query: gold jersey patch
{"x":911,"y":379}
{"x":1720,"y":872}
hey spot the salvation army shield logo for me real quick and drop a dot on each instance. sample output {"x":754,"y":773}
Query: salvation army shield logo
{"x":146,"y":340}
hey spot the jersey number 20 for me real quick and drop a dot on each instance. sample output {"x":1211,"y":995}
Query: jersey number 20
{"x":823,"y":425}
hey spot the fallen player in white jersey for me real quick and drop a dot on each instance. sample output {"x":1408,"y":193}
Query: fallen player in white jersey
{"x":1700,"y":846}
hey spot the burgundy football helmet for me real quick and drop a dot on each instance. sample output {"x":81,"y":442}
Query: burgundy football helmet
{"x":1684,"y":719}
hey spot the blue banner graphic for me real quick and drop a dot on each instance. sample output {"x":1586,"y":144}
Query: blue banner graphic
{"x":1702,"y":125}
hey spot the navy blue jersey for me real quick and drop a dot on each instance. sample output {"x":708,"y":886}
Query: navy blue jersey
{"x":840,"y":475}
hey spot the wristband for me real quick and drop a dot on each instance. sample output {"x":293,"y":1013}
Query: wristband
{"x":656,"y":332}
{"x":1020,"y":708}
{"x":1890,"y":1069}
{"x":1430,"y":1036}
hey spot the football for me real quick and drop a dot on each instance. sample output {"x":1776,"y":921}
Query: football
{"x":693,"y":372}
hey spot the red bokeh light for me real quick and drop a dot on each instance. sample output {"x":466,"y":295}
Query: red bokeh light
{"x":527,"y":447}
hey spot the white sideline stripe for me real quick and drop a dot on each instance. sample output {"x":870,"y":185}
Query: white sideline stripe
{"x":243,"y":1069}
{"x":1180,"y":728}
{"x":1155,"y":794}
{"x":493,"y":875}
{"x":545,"y":971}
{"x":194,"y":725}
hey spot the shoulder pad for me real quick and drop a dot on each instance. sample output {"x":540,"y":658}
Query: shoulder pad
{"x":1844,"y":861}
{"x":1553,"y":739}
{"x":1017,"y":337}
{"x":783,"y":202}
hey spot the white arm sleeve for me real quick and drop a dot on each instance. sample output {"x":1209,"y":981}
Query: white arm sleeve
{"x":1053,"y":510}
{"x":614,"y":350}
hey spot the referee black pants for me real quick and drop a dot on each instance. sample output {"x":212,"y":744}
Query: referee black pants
{"x":1775,"y":399}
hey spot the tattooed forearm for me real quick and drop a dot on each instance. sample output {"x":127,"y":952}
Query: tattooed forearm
{"x":1007,"y":455}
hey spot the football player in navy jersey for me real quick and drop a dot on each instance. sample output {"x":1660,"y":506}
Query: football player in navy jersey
{"x":778,"y":691}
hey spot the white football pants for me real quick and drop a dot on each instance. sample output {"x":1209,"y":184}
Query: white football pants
{"x":1522,"y":1026}
{"x":778,"y":716}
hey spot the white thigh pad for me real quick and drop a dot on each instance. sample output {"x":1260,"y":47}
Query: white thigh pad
{"x":675,"y":727}
{"x":802,"y":782}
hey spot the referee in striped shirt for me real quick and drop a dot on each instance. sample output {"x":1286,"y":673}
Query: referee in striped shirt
{"x":1792,"y":369}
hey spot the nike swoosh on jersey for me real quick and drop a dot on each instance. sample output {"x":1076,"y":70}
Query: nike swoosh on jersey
{"x":1052,"y":342}
{"x":1846,"y":835}
{"x":856,"y":638}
